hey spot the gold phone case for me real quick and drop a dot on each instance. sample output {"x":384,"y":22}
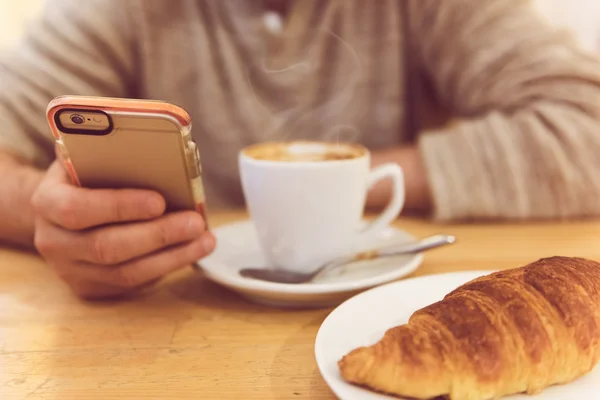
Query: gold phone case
{"x":126,"y":143}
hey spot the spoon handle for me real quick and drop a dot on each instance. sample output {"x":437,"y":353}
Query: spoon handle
{"x":427,"y":243}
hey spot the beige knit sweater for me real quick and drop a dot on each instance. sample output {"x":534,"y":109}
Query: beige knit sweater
{"x":527,"y":140}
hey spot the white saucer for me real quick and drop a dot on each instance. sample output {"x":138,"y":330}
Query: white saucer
{"x":237,"y":247}
{"x":363,"y":320}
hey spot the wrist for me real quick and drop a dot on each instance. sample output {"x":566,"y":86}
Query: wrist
{"x":18,"y":181}
{"x":416,"y":185}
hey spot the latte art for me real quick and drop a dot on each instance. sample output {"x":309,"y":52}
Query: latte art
{"x":304,"y":151}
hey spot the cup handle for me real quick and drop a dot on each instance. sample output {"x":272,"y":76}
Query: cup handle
{"x":396,"y":204}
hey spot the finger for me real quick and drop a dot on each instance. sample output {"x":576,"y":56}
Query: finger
{"x":118,"y":243}
{"x":121,"y":243}
{"x":78,"y":208}
{"x":147,"y":269}
{"x":57,"y":173}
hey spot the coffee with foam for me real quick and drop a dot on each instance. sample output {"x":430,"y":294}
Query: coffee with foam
{"x":306,"y":199}
{"x":298,"y":151}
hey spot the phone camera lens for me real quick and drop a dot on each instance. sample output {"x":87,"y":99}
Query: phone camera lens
{"x":77,"y":119}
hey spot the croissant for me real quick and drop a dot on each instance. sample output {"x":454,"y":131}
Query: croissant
{"x":510,"y":332}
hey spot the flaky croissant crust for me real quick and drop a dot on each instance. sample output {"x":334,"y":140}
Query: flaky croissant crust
{"x":514,"y":331}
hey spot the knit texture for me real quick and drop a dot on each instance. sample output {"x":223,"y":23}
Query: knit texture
{"x":525,"y":100}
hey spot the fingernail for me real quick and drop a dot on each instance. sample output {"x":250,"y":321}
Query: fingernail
{"x":195,"y":227}
{"x":155,"y":204}
{"x":208,"y":242}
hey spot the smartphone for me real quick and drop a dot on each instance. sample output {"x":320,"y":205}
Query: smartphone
{"x":129,"y":143}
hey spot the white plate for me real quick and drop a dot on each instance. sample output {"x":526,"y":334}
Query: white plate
{"x":363,"y":320}
{"x":237,"y":247}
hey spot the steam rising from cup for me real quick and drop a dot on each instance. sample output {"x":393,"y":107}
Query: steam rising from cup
{"x":282,"y":124}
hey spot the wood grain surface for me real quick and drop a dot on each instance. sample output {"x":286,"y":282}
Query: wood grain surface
{"x":188,"y":338}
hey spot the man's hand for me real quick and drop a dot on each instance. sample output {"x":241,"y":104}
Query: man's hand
{"x":106,"y":243}
{"x":418,"y":195}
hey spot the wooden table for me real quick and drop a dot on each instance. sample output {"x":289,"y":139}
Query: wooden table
{"x":191,"y":339}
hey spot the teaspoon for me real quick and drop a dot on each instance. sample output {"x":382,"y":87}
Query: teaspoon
{"x":284,"y":276}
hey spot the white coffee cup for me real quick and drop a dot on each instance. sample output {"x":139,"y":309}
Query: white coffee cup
{"x":308,"y":210}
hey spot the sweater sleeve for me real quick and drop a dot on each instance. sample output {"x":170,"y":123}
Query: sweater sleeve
{"x":527,"y":141}
{"x":73,"y":48}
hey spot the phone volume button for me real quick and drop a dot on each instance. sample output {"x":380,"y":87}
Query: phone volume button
{"x":193,"y":163}
{"x":197,"y":157}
